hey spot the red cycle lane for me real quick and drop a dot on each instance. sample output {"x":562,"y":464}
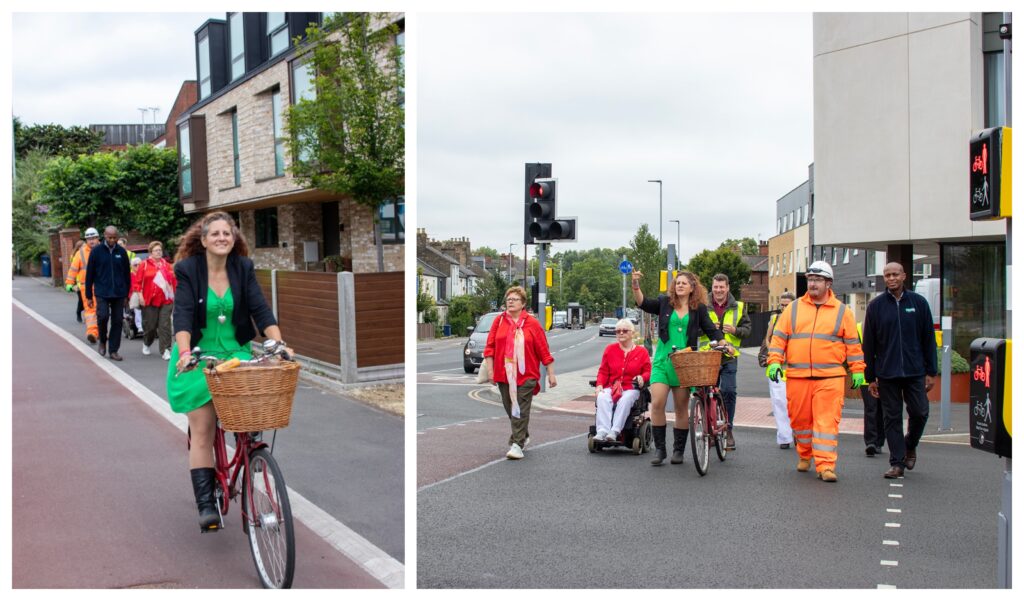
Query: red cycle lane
{"x":101,"y":492}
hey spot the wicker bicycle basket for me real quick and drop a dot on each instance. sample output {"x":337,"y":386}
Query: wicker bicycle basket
{"x":253,"y":399}
{"x":696,"y":368}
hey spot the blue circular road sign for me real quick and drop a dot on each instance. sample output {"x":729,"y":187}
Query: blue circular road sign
{"x":626,"y":267}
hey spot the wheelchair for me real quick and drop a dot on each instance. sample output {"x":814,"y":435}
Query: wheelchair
{"x":636,"y":434}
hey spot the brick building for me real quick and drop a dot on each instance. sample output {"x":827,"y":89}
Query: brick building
{"x":233,"y":157}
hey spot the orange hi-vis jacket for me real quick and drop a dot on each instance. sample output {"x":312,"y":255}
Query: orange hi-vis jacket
{"x":817,"y":341}
{"x":76,"y":273}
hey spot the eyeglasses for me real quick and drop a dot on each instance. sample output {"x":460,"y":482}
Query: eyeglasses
{"x":623,"y":331}
{"x":513,"y":298}
{"x":812,"y":278}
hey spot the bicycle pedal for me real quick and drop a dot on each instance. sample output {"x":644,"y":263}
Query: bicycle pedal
{"x":213,"y":528}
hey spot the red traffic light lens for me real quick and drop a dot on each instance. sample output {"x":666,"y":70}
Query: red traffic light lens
{"x":539,"y":190}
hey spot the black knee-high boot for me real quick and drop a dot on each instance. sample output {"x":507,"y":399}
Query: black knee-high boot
{"x":679,"y":443}
{"x":203,"y":481}
{"x":659,"y":445}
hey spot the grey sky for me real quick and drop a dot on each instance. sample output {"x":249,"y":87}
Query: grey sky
{"x":82,"y":68}
{"x":717,"y":106}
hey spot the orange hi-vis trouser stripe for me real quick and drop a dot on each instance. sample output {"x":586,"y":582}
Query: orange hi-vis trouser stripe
{"x":815,"y":407}
{"x":89,"y":314}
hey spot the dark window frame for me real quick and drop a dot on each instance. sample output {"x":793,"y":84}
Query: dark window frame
{"x":266,"y":233}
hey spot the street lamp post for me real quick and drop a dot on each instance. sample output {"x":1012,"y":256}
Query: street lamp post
{"x":658,"y":181}
{"x":510,"y":277}
{"x":676,"y":221}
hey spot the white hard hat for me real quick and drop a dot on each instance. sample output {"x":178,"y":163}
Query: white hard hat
{"x":92,"y":233}
{"x":821,"y":268}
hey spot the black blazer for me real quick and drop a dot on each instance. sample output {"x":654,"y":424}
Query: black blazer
{"x":190,"y":298}
{"x":663,"y":309}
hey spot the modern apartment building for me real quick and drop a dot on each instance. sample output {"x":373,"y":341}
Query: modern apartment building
{"x":897,"y":97}
{"x":233,"y":155}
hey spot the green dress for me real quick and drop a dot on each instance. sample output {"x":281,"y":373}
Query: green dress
{"x":661,"y":370}
{"x":188,"y":391}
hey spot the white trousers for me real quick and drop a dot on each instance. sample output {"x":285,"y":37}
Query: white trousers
{"x":783,"y":431}
{"x":611,"y":417}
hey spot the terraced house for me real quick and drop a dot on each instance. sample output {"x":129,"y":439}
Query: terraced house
{"x":233,"y":156}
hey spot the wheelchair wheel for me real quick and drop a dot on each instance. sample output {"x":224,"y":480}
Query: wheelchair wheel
{"x":646,"y":437}
{"x":591,"y":445}
{"x":638,"y":445}
{"x":699,"y":442}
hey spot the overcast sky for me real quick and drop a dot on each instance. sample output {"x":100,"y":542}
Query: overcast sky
{"x":83,"y":68}
{"x":719,"y":107}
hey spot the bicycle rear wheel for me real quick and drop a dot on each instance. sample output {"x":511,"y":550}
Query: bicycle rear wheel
{"x":721,"y":421}
{"x":271,"y":532}
{"x":699,"y":442}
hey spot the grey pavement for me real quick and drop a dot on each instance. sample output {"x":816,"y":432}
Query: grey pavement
{"x":345,"y":457}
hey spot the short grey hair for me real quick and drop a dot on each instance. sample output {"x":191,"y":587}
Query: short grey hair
{"x":787,"y":294}
{"x":624,"y":324}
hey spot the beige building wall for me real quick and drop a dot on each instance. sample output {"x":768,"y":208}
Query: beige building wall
{"x":897,"y":97}
{"x":781,"y":277}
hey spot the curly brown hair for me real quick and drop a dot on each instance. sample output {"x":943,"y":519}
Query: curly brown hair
{"x":192,"y":239}
{"x":697,"y":290}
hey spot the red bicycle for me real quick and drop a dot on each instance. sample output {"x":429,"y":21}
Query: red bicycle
{"x":253,"y":471}
{"x":708,"y":418}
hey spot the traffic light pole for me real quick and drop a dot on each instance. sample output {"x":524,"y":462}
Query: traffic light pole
{"x":542,"y":301}
{"x":1005,"y":569}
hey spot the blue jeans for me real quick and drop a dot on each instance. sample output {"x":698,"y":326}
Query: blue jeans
{"x":727,"y":387}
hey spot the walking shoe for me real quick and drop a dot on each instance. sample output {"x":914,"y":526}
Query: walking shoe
{"x":784,"y":445}
{"x":870,"y":451}
{"x":526,"y":442}
{"x":730,"y":442}
{"x":911,"y":459}
{"x":145,"y":349}
{"x":514,"y":452}
{"x":91,"y":338}
{"x":115,"y":357}
{"x":612,"y":436}
{"x":102,"y":349}
{"x":601,"y":435}
{"x":894,"y":472}
{"x":827,"y":475}
{"x":803,"y":465}
{"x":167,"y":357}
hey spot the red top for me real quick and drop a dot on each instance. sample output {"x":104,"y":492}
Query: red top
{"x":535,"y":345}
{"x":142,"y":281}
{"x":615,"y":364}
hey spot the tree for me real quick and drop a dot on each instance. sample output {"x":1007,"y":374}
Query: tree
{"x":487,"y":251}
{"x":28,"y":219}
{"x":134,"y":189}
{"x":744,"y":246}
{"x":348,"y":136}
{"x":55,"y":140}
{"x":707,"y":263}
{"x":463,"y":312}
{"x":492,"y":290}
{"x":594,"y":283}
{"x":647,"y":258}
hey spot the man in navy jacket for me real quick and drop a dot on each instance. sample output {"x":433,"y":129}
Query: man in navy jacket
{"x":108,"y":279}
{"x":899,"y":349}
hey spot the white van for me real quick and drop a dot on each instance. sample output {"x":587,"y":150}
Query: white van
{"x":929,"y":288}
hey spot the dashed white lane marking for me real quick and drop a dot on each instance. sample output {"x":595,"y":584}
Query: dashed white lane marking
{"x":886,"y":586}
{"x":891,"y":543}
{"x":891,"y":525}
{"x":889,"y":562}
{"x":894,"y":496}
{"x":895,"y":485}
{"x":892,"y":510}
{"x":349,"y":543}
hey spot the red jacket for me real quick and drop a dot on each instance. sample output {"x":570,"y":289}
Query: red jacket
{"x":615,"y":364}
{"x":142,"y":281}
{"x":535,"y":344}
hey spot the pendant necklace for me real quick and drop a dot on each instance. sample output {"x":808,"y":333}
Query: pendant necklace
{"x":221,"y":318}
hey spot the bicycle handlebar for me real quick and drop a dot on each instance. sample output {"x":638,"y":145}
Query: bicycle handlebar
{"x":271,"y":348}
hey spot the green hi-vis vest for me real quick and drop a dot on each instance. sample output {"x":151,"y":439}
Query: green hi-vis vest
{"x":730,"y":317}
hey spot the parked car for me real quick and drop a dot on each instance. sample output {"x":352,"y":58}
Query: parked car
{"x":558,"y":320}
{"x":473,"y":351}
{"x":607,"y":326}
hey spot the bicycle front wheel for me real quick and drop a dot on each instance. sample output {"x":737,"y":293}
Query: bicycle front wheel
{"x":699,"y":441}
{"x":271,"y":532}
{"x":722,"y":428}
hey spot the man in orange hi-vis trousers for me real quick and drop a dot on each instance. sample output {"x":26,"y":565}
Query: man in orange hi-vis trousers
{"x":76,"y":281}
{"x":817,"y":338}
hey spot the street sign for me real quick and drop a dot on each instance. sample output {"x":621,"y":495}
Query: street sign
{"x":626,"y":267}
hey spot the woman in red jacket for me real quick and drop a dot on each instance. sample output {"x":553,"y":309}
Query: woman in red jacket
{"x":624,"y":363}
{"x":155,"y":282}
{"x":519,"y":344}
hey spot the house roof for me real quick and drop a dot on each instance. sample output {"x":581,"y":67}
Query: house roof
{"x":756,"y":262}
{"x":434,"y":252}
{"x":429,"y":271}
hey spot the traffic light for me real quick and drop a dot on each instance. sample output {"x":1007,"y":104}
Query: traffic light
{"x":990,"y":174}
{"x":533,"y":172}
{"x":543,"y":211}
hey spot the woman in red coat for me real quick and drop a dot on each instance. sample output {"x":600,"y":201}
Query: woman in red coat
{"x":624,"y":363}
{"x":154,"y":281}
{"x":516,"y":346}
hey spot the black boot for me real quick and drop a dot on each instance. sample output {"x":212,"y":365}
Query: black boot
{"x":203,"y":481}
{"x":659,"y":445}
{"x":679,"y":443}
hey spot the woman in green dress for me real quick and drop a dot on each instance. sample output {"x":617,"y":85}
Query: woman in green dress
{"x":682,"y":314}
{"x":217,"y":303}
